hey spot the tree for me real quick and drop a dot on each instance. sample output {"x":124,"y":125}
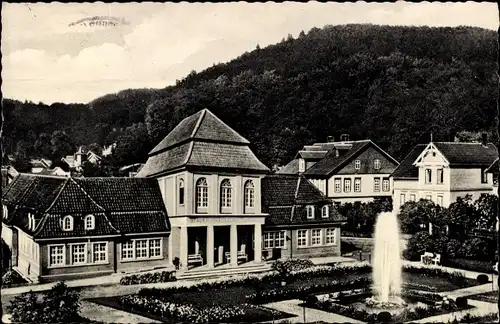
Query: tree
{"x":62,"y":145}
{"x":486,"y":209}
{"x":461,"y":216}
{"x":61,"y":305}
{"x":26,"y":309}
{"x":415,"y":215}
{"x":130,"y":147}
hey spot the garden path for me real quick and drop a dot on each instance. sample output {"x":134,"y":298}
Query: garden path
{"x":481,"y":308}
{"x":312,"y":315}
{"x":110,"y":315}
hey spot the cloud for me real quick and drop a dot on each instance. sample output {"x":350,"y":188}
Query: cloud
{"x":166,"y":41}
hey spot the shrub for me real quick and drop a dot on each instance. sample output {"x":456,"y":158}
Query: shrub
{"x":384,"y":317}
{"x":477,"y":248}
{"x":10,"y":278}
{"x":416,"y":246}
{"x":311,"y":299}
{"x":461,"y":302}
{"x":453,"y":248}
{"x":151,"y":277}
{"x":467,"y":264}
{"x":482,"y":279}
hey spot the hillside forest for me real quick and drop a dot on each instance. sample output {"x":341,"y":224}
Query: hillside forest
{"x":394,"y":85}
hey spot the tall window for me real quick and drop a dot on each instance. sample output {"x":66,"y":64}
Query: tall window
{"x":357,"y":164}
{"x":324,"y":211}
{"x":181,"y":192}
{"x":249,"y":194}
{"x":330,"y":236}
{"x":310,"y":212}
{"x":376,"y":184}
{"x":357,"y":185}
{"x":440,"y":176}
{"x":67,"y":223}
{"x":428,"y":176}
{"x":302,"y":165}
{"x":338,"y":185}
{"x":413,"y":197}
{"x":439,"y":200}
{"x":89,"y":222}
{"x":302,"y":238}
{"x":201,"y":193}
{"x":78,"y":254}
{"x":376,"y":164}
{"x":402,"y":199}
{"x":347,"y":185}
{"x":141,"y":249}
{"x":154,"y":248}
{"x":128,"y":250}
{"x":484,"y":176}
{"x":99,"y":252}
{"x":56,"y":255}
{"x":385,"y":184}
{"x":226,"y":193}
{"x":316,"y":237}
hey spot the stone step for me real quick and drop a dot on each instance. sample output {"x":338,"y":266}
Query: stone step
{"x":214,"y":273}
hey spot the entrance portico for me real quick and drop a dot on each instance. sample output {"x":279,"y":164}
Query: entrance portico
{"x":214,"y":240}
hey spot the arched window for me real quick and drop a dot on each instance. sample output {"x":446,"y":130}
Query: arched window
{"x":324,"y":211}
{"x":225,"y":193}
{"x":201,"y":193}
{"x":89,"y":222}
{"x":67,"y":223}
{"x":181,"y":192}
{"x":310,"y":212}
{"x":249,"y":194}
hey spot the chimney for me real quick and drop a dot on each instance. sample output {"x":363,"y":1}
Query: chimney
{"x":330,"y":139}
{"x":344,"y":137}
{"x":484,"y":138}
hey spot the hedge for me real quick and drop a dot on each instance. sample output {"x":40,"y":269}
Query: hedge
{"x":150,"y":277}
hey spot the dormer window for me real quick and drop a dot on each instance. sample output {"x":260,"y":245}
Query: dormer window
{"x":376,"y":164}
{"x":302,"y":165}
{"x":357,"y":164}
{"x":67,"y":223}
{"x":31,"y":221}
{"x":5,"y":212}
{"x":324,"y":211}
{"x":310,"y":212}
{"x":89,"y":222}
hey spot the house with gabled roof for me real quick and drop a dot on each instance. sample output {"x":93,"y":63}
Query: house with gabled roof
{"x":444,"y":171}
{"x":302,"y":221}
{"x":211,"y":185}
{"x":62,"y":227}
{"x":346,"y":171}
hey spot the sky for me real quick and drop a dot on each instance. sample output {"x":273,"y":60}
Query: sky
{"x":45,"y":59}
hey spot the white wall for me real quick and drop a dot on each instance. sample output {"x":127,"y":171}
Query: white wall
{"x":367,"y":187}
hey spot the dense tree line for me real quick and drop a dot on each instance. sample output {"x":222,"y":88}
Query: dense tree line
{"x":395,"y":85}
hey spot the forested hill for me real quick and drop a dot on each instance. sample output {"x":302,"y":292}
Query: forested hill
{"x":394,"y":85}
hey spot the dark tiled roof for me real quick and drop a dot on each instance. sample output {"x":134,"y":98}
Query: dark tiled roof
{"x":312,"y":155}
{"x":203,"y":126}
{"x":331,"y":162}
{"x":291,"y":168}
{"x":406,"y":169}
{"x":468,"y":154}
{"x":201,"y":140}
{"x":120,"y":205}
{"x":284,"y":198}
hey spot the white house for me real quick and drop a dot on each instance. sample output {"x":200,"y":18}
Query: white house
{"x":444,"y":171}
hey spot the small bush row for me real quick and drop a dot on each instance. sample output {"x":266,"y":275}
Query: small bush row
{"x":150,"y":277}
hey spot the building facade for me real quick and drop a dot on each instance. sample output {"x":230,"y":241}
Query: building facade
{"x":61,"y":227}
{"x":444,"y":171}
{"x":346,"y":171}
{"x":302,"y":221}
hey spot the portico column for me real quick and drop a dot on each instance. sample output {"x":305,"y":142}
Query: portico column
{"x":183,"y":244}
{"x":258,"y":243}
{"x":210,"y":246}
{"x":234,"y":245}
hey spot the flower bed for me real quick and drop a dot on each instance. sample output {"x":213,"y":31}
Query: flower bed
{"x":467,"y":264}
{"x":490,"y":297}
{"x":151,"y":277}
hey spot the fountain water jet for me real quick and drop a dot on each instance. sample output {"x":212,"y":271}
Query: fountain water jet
{"x":387,"y":265}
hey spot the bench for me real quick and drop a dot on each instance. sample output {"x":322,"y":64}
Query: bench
{"x":437,"y":259}
{"x":241,"y":255}
{"x":425,"y":256}
{"x":194,"y":258}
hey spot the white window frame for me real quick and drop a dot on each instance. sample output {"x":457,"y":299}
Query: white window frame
{"x":439,"y":200}
{"x":302,"y":238}
{"x":105,"y":252}
{"x":357,"y":164}
{"x":5,"y":211}
{"x":413,"y":197}
{"x":268,"y":240}
{"x":302,"y":165}
{"x":90,"y":226}
{"x":155,"y":248}
{"x":310,"y":212}
{"x":316,"y":240}
{"x":126,"y":248}
{"x":63,"y":254}
{"x":226,"y":193}
{"x":428,"y":176}
{"x":280,"y":240}
{"x":182,"y":192}
{"x":386,"y":185}
{"x":142,"y":248}
{"x":330,"y":236}
{"x":201,"y":193}
{"x":84,"y":253}
{"x":249,"y":194}
{"x":64,"y":223}
{"x":337,"y":184}
{"x":402,"y":199}
{"x":325,"y":211}
{"x":376,"y":184}
{"x":357,"y":184}
{"x":347,"y":188}
{"x":376,"y":164}
{"x":439,"y":177}
{"x":134,"y":249}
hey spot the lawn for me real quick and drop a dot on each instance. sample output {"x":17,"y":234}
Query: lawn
{"x":490,"y":297}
